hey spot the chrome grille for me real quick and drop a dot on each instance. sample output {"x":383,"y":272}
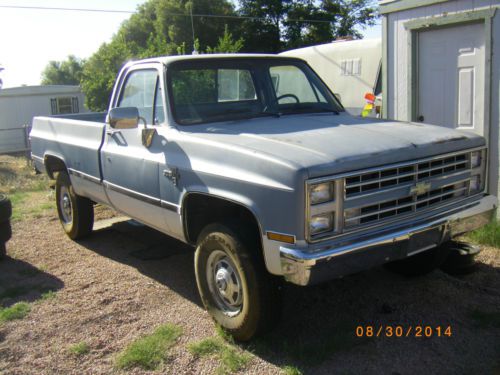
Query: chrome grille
{"x":381,"y":194}
{"x":391,"y":177}
{"x":409,"y":204}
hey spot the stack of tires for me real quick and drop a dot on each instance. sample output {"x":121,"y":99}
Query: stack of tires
{"x":5,"y":229}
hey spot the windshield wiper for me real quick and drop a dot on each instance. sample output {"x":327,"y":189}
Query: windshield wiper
{"x":270,"y":113}
{"x":312,"y":109}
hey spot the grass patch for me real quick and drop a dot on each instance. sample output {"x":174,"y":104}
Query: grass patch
{"x":33,"y":204}
{"x":151,"y":351}
{"x":79,"y":349}
{"x":206,"y":347}
{"x":28,"y":192}
{"x":50,"y":294}
{"x":13,"y":292}
{"x":291,"y":370}
{"x":16,"y":175}
{"x":486,"y":319}
{"x":16,"y":311}
{"x":224,"y":334}
{"x":231,"y":359}
{"x":488,"y":235}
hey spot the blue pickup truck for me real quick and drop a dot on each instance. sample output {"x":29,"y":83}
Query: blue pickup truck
{"x":252,"y":160}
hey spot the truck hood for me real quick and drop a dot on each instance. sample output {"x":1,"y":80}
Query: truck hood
{"x":326,"y":144}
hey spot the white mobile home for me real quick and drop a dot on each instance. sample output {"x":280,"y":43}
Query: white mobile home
{"x":441,"y":65}
{"x":349,"y":68}
{"x":19,"y":105}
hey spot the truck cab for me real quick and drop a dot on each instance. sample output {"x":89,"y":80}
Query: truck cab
{"x":252,"y":160}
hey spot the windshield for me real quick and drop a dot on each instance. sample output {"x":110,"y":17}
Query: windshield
{"x":226,"y":90}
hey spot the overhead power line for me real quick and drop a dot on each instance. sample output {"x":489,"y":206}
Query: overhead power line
{"x":171,"y":14}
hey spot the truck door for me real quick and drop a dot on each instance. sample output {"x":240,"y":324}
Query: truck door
{"x":131,"y":170}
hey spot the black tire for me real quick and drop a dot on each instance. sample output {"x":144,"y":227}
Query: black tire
{"x":76,"y":213}
{"x":420,"y":264}
{"x":260,"y":297}
{"x":3,"y":250}
{"x":5,"y":231}
{"x":5,"y":208}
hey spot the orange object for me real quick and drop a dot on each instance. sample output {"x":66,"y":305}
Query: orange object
{"x":370,"y":97}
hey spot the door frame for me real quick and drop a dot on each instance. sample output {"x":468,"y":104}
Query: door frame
{"x":413,"y":27}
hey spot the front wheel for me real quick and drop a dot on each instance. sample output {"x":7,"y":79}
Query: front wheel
{"x":76,"y":213}
{"x":233,"y":284}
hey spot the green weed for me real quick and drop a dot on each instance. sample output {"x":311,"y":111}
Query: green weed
{"x":79,"y":349}
{"x":151,"y":351}
{"x":488,"y":235}
{"x":231,"y":359}
{"x":16,"y":311}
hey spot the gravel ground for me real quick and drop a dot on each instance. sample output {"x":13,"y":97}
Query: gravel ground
{"x":125,"y":280}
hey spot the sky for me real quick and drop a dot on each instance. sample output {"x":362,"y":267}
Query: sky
{"x":30,"y":38}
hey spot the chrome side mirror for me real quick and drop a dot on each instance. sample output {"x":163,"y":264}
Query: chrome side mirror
{"x":124,"y":118}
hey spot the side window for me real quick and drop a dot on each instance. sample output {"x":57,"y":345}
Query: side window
{"x":289,"y":79}
{"x":139,"y":91}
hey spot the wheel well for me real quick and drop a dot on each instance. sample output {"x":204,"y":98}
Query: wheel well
{"x":200,"y":210}
{"x":54,"y":164}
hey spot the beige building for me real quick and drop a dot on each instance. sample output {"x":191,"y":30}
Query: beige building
{"x":18,"y":106}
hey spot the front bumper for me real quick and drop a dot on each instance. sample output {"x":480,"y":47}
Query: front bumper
{"x":320,"y":262}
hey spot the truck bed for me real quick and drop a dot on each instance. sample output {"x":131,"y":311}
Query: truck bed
{"x":75,"y":139}
{"x":91,"y":116}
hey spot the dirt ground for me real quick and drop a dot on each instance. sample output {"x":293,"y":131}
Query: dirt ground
{"x":126,"y":279}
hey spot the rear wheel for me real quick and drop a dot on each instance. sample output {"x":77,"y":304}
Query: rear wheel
{"x":76,"y":213}
{"x":233,"y":283}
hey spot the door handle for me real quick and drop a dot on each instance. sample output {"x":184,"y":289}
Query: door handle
{"x":172,"y":174}
{"x":420,"y":118}
{"x":111,"y":132}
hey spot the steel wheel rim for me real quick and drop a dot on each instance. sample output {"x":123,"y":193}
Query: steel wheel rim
{"x":224,"y":283}
{"x":65,"y":205}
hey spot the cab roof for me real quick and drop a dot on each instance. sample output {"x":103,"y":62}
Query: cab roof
{"x":167,"y":60}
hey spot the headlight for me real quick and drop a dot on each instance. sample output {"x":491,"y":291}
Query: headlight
{"x":475,"y":159}
{"x":475,"y":183}
{"x":321,"y":193}
{"x":321,"y":223}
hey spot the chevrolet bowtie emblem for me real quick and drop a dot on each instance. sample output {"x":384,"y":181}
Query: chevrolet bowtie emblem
{"x":421,"y":188}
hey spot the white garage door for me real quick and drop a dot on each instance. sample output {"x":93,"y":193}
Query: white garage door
{"x":451,"y":77}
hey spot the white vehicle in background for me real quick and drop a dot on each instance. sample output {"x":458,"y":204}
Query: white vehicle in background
{"x":350,"y":68}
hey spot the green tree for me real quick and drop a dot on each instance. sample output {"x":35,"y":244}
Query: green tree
{"x":350,"y":14}
{"x":158,"y":28}
{"x":227,"y":44}
{"x":99,"y":73}
{"x":263,"y":33}
{"x":290,"y":24}
{"x":67,"y":72}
